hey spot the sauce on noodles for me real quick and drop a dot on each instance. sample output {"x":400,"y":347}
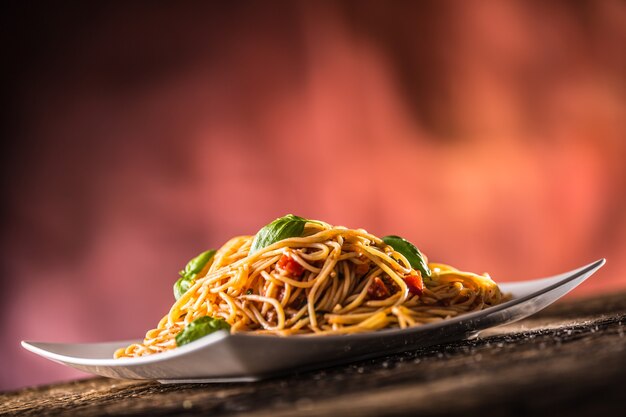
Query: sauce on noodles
{"x":320,"y":280}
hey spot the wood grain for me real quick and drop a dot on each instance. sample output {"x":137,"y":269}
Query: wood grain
{"x":569,"y":359}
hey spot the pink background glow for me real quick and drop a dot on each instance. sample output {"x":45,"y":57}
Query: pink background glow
{"x":491,"y":134}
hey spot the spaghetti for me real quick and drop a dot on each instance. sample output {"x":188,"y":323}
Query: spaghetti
{"x":319,"y":280}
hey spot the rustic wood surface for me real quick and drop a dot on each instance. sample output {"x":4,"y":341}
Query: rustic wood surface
{"x":569,"y":359}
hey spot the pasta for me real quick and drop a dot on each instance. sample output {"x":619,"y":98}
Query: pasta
{"x":299,"y":277}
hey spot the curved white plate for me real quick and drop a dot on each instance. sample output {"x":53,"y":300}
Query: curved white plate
{"x":222,"y":357}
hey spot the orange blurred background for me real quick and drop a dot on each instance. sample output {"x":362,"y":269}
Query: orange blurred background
{"x":491,"y":134}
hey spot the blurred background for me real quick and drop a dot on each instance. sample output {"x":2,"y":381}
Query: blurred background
{"x":137,"y":134}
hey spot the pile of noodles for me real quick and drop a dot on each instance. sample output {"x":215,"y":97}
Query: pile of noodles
{"x":333,"y":295}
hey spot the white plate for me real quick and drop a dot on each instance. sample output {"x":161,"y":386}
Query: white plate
{"x":222,"y":357}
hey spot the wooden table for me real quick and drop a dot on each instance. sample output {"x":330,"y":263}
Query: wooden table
{"x":569,"y":360}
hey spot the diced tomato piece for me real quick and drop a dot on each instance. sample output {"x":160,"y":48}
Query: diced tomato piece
{"x":415,"y":284}
{"x":290,"y":266}
{"x":378,"y":290}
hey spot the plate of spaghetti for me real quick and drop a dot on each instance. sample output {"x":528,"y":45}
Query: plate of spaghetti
{"x":303,"y":294}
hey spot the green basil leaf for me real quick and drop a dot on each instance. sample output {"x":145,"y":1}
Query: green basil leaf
{"x":196,"y":265}
{"x":192,"y":269}
{"x":200,"y":327}
{"x":181,"y":286}
{"x":410,"y":252}
{"x":281,"y":228}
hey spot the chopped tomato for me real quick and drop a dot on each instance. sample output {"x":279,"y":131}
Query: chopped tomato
{"x":378,"y":290}
{"x":290,"y":266}
{"x":415,"y":284}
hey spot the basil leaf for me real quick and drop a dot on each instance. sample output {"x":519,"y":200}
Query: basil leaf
{"x":181,"y":286}
{"x":200,"y":327}
{"x":410,"y":252}
{"x":281,"y":228}
{"x":192,"y":269}
{"x":196,"y":265}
